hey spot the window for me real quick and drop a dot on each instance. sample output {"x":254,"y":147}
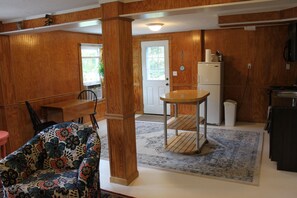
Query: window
{"x":155,"y":63}
{"x":91,"y":55}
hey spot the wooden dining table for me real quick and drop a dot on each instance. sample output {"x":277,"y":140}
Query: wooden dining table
{"x":68,"y":110}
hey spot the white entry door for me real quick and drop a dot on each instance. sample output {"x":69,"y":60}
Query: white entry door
{"x":155,"y":75}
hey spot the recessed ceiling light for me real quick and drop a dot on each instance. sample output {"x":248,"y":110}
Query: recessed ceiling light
{"x":155,"y":26}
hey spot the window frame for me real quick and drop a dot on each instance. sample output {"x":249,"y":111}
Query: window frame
{"x":85,"y":45}
{"x":95,"y":86}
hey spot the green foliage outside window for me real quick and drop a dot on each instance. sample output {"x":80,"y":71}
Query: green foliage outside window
{"x":101,"y":69}
{"x":91,"y":61}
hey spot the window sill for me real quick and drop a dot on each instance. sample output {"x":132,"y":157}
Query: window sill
{"x":101,"y":100}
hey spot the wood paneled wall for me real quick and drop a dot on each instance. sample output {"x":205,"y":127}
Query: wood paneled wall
{"x":187,"y":43}
{"x":8,"y":112}
{"x":7,"y":86}
{"x":45,"y":64}
{"x":262,"y":48}
{"x":43,"y":68}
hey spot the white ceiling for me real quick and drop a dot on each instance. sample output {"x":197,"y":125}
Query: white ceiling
{"x":205,"y":17}
{"x":15,"y":10}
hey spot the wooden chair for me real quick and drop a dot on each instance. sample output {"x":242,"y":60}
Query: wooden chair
{"x":89,"y":95}
{"x":37,"y":124}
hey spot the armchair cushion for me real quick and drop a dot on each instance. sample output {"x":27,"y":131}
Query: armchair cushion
{"x":46,"y":183}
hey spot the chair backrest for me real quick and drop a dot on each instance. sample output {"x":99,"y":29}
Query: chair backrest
{"x":67,"y":142}
{"x":88,"y":95}
{"x":33,"y":115}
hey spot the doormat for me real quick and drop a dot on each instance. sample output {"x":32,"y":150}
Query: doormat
{"x":151,"y":118}
{"x":230,"y":155}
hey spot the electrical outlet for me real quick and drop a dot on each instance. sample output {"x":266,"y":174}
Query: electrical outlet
{"x":249,"y":65}
{"x":287,"y":66}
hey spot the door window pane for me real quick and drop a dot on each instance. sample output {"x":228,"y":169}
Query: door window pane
{"x":155,"y":63}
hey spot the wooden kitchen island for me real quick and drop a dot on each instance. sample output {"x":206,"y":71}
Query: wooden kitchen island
{"x":189,"y":141}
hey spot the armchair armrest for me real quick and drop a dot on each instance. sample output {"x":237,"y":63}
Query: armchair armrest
{"x":88,"y":172}
{"x":18,"y":165}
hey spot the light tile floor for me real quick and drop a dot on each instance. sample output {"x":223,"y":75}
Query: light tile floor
{"x":153,"y":183}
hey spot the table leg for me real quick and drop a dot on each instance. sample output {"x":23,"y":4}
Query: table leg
{"x":176,"y":115}
{"x":165,"y":122}
{"x":205,"y":117}
{"x":197,"y":126}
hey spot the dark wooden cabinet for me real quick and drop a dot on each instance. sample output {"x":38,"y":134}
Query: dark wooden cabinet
{"x":283,"y":137}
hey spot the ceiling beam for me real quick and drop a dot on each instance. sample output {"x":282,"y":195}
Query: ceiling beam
{"x":94,"y":13}
{"x":132,"y":8}
{"x":264,"y":18}
{"x":157,"y":5}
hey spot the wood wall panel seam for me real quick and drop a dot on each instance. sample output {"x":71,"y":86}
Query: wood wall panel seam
{"x":51,"y":97}
{"x":9,"y":106}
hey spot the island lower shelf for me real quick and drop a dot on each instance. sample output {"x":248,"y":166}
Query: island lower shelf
{"x":185,"y":143}
{"x":184,"y":122}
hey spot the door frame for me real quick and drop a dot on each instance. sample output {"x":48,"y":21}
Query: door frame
{"x":168,"y":40}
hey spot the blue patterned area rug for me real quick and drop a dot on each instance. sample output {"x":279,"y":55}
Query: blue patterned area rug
{"x":231,"y":155}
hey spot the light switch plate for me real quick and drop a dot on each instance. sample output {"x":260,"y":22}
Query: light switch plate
{"x":174,"y":73}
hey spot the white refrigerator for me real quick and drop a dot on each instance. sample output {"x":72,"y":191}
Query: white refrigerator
{"x":210,"y":78}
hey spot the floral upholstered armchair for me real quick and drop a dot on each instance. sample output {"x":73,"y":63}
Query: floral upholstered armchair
{"x":60,"y":161}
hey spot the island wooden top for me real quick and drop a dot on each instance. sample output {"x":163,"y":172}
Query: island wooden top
{"x":184,"y":96}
